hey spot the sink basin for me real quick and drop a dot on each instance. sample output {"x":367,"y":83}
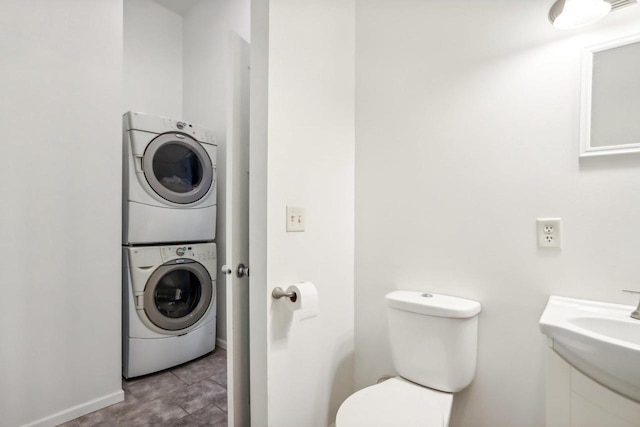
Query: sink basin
{"x":597,"y":338}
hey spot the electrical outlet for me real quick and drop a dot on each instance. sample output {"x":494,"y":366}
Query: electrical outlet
{"x":295,"y":219}
{"x":549,"y":232}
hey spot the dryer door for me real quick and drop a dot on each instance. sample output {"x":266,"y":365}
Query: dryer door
{"x":178,"y":168}
{"x":178,"y":294}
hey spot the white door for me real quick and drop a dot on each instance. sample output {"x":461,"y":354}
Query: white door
{"x":237,"y":251}
{"x":302,"y":154}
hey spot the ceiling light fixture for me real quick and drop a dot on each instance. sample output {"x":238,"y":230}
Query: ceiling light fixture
{"x":569,"y":14}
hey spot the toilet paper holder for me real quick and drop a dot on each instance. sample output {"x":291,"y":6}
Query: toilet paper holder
{"x":280,"y":293}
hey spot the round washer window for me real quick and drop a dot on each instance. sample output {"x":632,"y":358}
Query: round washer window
{"x":177,"y":295}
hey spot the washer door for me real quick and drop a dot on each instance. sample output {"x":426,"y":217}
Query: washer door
{"x":178,"y":294}
{"x":178,"y":168}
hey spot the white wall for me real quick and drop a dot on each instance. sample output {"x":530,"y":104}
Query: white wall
{"x":467,"y":130}
{"x":60,"y":85}
{"x":152,"y":59}
{"x":206,"y":36}
{"x":310,"y":160}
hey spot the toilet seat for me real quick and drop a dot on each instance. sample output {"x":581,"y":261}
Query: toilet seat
{"x":396,"y":402}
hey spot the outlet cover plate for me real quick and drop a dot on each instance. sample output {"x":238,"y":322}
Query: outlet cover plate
{"x":549,"y":232}
{"x":295,"y":218}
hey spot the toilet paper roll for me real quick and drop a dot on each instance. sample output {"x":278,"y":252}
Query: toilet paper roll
{"x":306,"y":304}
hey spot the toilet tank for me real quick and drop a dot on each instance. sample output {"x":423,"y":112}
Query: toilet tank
{"x":433,"y":338}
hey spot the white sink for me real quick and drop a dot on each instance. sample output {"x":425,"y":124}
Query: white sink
{"x":598,"y":338}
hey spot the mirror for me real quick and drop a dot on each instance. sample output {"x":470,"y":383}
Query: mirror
{"x":610,"y":113}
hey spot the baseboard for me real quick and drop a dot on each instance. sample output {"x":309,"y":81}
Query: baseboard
{"x":78,"y":411}
{"x":221,"y":343}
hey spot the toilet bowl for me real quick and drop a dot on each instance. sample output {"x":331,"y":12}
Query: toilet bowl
{"x":394,"y":403}
{"x":433,"y":340}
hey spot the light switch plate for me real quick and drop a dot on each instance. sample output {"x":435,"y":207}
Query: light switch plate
{"x":295,"y":218}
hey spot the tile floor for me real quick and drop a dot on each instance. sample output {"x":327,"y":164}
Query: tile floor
{"x":189,"y":395}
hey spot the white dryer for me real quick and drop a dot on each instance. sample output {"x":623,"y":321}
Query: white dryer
{"x":169,"y":181}
{"x":169,"y":306}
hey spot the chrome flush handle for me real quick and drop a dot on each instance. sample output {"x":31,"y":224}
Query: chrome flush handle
{"x":636,"y":313}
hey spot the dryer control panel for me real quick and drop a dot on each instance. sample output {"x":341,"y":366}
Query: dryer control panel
{"x":155,"y":124}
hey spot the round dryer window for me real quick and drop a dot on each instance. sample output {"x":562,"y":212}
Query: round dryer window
{"x":178,"y":168}
{"x":178,"y":294}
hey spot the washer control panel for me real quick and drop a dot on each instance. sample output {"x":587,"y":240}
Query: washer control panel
{"x":198,"y":252}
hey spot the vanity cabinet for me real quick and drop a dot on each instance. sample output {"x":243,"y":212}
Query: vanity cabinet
{"x":575,"y":400}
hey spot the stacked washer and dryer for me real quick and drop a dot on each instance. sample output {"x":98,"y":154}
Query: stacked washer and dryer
{"x":169,"y":258}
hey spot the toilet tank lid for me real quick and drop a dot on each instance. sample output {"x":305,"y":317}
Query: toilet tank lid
{"x":433,"y":304}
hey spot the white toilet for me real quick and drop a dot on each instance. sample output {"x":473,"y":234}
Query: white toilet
{"x":433,"y":342}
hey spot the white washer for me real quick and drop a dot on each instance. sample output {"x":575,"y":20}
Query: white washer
{"x":169,"y":181}
{"x":169,"y":306}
